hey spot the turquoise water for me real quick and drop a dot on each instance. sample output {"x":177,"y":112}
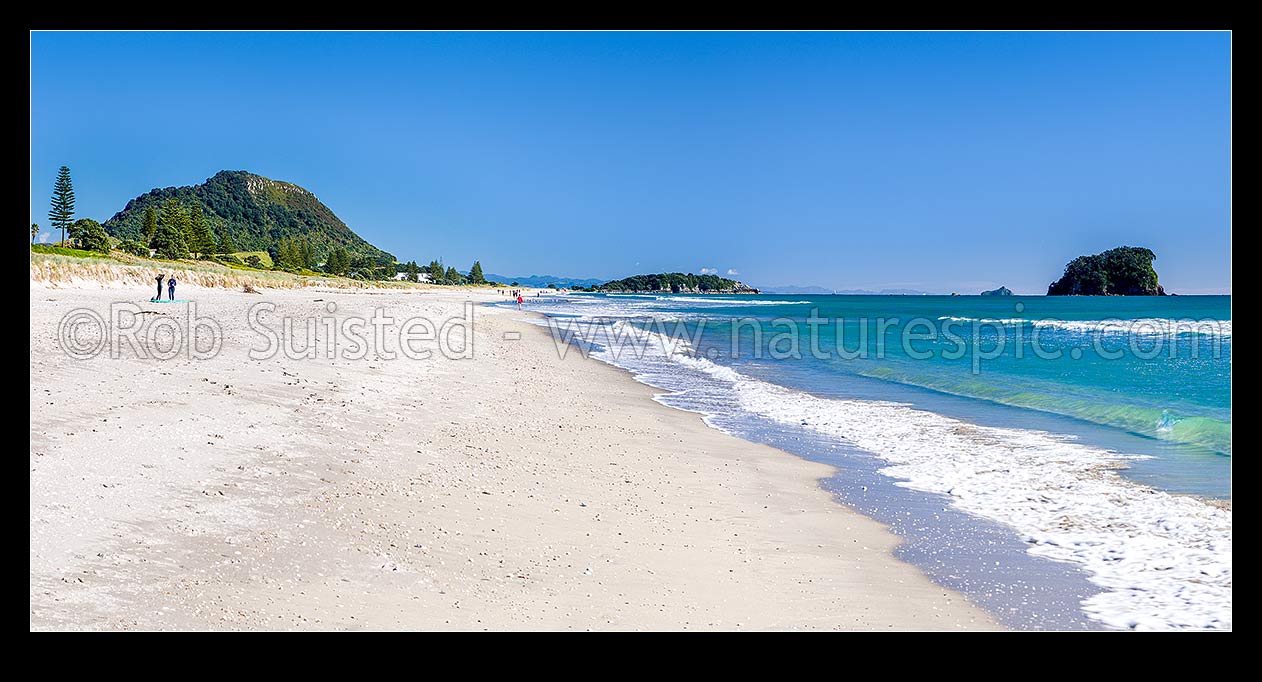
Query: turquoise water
{"x":1156,"y":369}
{"x":1003,"y":438}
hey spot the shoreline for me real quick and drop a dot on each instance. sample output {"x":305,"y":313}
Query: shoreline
{"x":1063,"y":499}
{"x":496,"y":493}
{"x":955,"y":550}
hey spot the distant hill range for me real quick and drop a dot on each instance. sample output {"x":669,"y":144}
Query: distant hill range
{"x":256,"y":212}
{"x":883,"y":292}
{"x":542,"y":281}
{"x":796,"y":290}
{"x":677,"y":283}
{"x":808,"y":290}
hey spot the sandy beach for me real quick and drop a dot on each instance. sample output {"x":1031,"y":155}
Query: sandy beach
{"x":512,"y":490}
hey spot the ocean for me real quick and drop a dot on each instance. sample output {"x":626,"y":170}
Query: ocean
{"x":1063,"y":461}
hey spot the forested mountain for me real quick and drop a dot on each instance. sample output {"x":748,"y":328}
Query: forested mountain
{"x":255,"y":212}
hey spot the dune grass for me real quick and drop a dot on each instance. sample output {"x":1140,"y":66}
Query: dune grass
{"x":55,"y":266}
{"x":119,"y":269}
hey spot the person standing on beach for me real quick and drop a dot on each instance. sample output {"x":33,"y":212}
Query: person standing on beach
{"x":170,"y":288}
{"x":160,"y":278}
{"x":519,"y":301}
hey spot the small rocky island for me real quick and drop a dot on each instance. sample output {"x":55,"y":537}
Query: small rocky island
{"x":1001,"y":291}
{"x":1124,"y":271}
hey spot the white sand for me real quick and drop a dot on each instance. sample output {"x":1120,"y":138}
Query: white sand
{"x":515,"y":490}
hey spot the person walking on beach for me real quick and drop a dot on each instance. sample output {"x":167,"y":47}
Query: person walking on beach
{"x":170,"y":288}
{"x":160,"y":278}
{"x":519,"y":301}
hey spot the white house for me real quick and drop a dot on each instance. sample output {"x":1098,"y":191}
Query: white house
{"x":423,"y":277}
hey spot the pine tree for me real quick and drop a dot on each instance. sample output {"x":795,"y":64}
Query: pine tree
{"x":173,"y":215}
{"x":226,"y":245}
{"x":168,"y":240}
{"x":308,"y":256}
{"x":201,"y":241}
{"x":475,"y":273}
{"x":187,"y":224}
{"x":437,"y":274}
{"x":453,"y":277}
{"x":61,"y":213}
{"x":413,"y":271}
{"x":292,"y":254}
{"x":151,"y":223}
{"x":338,"y":261}
{"x":281,"y":259}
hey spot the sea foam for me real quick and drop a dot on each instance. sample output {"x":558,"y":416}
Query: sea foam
{"x":1162,"y":560}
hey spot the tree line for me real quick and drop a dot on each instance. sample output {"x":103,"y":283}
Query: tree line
{"x":437,"y":273}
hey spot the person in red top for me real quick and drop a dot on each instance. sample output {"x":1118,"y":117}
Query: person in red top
{"x":519,"y":301}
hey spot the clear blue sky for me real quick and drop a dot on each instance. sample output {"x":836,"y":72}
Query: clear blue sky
{"x":936,"y":161}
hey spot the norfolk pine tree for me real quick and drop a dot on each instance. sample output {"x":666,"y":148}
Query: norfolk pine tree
{"x":61,"y":212}
{"x":168,"y":240}
{"x":201,"y":241}
{"x":150,"y":226}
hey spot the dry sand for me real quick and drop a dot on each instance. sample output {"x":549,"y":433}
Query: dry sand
{"x":514,"y":490}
